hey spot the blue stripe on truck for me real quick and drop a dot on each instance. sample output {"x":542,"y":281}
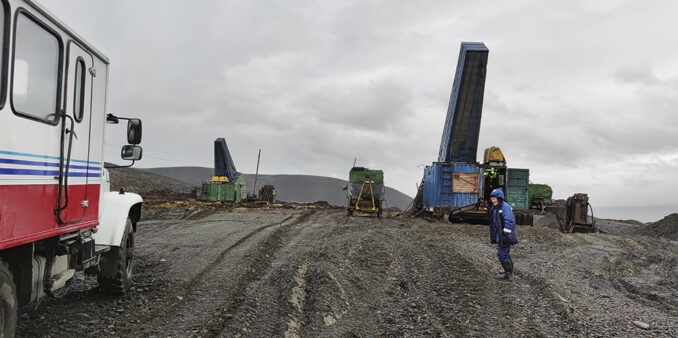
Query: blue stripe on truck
{"x":44,"y":156}
{"x":32,"y":172}
{"x":44,"y":164}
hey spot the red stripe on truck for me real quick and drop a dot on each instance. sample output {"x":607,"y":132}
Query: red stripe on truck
{"x":27,"y":212}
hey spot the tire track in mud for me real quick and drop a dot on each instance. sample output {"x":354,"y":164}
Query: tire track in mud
{"x":195,"y":280}
{"x":448,"y":289}
{"x":297,"y":299}
{"x":257,"y":268}
{"x":280,"y":301}
{"x":192,"y":289}
{"x":351,"y":268}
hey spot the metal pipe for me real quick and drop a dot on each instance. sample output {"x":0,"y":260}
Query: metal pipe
{"x":256,"y":175}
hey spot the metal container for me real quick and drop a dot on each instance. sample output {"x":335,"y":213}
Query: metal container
{"x":517,"y":188}
{"x":224,"y":191}
{"x":451,"y":186}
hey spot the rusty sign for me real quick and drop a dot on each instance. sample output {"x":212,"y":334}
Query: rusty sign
{"x":465,"y":183}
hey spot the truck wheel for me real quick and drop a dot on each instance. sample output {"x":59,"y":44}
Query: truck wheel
{"x":8,"y":302}
{"x":117,"y":265}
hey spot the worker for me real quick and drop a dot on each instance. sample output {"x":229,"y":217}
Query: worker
{"x":502,"y":232}
{"x":491,"y":173}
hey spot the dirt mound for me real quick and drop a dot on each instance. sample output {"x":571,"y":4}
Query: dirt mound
{"x":140,"y":181}
{"x":629,"y":221}
{"x":666,"y":227}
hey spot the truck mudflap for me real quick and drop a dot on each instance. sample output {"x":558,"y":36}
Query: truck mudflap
{"x":115,"y":208}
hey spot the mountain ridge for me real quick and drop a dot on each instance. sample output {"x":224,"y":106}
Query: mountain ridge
{"x":289,"y":187}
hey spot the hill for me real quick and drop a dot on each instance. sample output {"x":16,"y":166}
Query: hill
{"x":142,"y":181}
{"x":290,"y":188}
{"x":666,"y":227}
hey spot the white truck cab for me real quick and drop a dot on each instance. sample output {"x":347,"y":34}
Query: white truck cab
{"x":57,"y":213}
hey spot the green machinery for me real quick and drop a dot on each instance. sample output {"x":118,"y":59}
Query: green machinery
{"x":365,"y":191}
{"x":539,"y":195}
{"x":227,"y":185}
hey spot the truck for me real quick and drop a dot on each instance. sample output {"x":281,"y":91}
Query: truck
{"x":57,"y":212}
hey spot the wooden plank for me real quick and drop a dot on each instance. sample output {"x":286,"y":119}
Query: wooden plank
{"x":465,"y":183}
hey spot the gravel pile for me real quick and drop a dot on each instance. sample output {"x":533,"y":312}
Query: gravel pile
{"x":666,"y":227}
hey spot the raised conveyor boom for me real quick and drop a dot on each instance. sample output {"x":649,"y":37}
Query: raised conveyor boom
{"x":223,"y":162}
{"x":462,"y":125}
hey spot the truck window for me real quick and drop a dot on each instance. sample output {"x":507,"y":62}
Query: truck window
{"x":35,"y":77}
{"x":79,"y":90}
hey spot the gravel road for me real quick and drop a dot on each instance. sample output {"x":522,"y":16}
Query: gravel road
{"x":319,"y":273}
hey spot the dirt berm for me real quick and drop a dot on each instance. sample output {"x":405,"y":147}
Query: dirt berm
{"x":316,"y":272}
{"x":666,"y":227}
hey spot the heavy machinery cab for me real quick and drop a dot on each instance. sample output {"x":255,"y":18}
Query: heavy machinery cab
{"x":494,"y":171}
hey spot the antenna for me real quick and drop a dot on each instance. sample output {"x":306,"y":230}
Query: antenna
{"x":354,"y":159}
{"x":256,"y":175}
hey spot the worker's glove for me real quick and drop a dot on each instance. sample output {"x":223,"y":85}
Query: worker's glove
{"x":508,"y":231}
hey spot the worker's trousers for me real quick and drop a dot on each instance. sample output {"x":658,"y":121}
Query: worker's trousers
{"x":503,"y":253}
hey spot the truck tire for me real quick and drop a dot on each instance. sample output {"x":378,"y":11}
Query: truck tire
{"x":8,"y":302}
{"x":117,"y":265}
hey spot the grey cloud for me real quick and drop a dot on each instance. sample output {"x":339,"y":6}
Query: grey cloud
{"x":637,"y":74}
{"x":374,"y":105}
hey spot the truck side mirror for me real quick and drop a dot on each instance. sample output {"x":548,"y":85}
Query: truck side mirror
{"x":131,"y":152}
{"x":134,"y":131}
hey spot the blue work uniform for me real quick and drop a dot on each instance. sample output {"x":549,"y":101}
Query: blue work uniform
{"x":502,"y":227}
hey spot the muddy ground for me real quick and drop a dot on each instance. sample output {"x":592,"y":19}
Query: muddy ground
{"x":312,"y":271}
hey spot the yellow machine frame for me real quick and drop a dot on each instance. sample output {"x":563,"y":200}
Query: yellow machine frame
{"x":360,"y":195}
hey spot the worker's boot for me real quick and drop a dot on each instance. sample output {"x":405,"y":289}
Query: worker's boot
{"x":507,"y":274}
{"x":509,"y":270}
{"x":501,"y":274}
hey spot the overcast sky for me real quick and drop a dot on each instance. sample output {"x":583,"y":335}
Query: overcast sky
{"x":583,"y":93}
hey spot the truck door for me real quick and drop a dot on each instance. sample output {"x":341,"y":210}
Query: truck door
{"x":77,"y":104}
